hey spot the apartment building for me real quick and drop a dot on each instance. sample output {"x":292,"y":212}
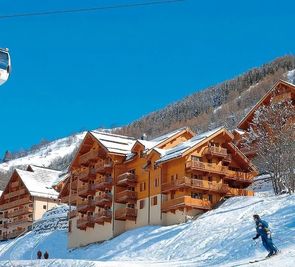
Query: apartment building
{"x":108,"y":181}
{"x":119,"y":183}
{"x":27,"y":195}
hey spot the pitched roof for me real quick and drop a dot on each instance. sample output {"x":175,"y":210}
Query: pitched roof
{"x":113,"y":143}
{"x":39,"y":183}
{"x":262,"y":100}
{"x":47,"y":171}
{"x":179,"y":150}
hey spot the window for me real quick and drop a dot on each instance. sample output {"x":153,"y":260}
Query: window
{"x":142,"y":187}
{"x":209,"y":160}
{"x":197,"y":195}
{"x":155,"y":201}
{"x":210,"y":198}
{"x":132,"y":171}
{"x":210,"y":178}
{"x":156,"y":182}
{"x":44,"y":207}
{"x":141,"y":204}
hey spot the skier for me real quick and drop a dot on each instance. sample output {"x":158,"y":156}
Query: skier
{"x":264,"y":232}
{"x":39,"y":255}
{"x":46,"y":255}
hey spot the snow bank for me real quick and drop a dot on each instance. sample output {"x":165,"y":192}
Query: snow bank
{"x":221,"y":237}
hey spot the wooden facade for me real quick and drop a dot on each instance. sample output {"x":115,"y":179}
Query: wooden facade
{"x":20,"y":207}
{"x":114,"y":191}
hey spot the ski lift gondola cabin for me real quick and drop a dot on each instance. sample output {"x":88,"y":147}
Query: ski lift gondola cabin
{"x":5,"y":65}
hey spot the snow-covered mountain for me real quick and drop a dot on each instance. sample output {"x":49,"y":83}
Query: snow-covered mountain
{"x":221,"y":237}
{"x":56,"y":154}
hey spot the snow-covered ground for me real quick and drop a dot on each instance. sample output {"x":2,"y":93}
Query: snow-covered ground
{"x":221,"y":237}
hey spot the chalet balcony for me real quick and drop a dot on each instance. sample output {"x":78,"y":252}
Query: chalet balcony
{"x":72,"y":214}
{"x":126,"y":179}
{"x":124,"y":214}
{"x":245,"y":177}
{"x":126,"y":196}
{"x":187,"y":182}
{"x":82,"y":223}
{"x":15,"y":193}
{"x":86,"y":190}
{"x":104,"y":200}
{"x":88,"y":157}
{"x":73,"y":197}
{"x":20,"y":221}
{"x":86,"y":205}
{"x":232,"y":192}
{"x":227,"y":159}
{"x":22,"y":211}
{"x":185,"y":201}
{"x":102,"y":167}
{"x":104,"y":183}
{"x":15,"y":203}
{"x":216,"y":151}
{"x":195,"y":165}
{"x":101,"y":217}
{"x":15,"y":233}
{"x":83,"y":174}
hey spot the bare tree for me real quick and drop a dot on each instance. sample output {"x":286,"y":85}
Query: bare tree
{"x":272,"y":135}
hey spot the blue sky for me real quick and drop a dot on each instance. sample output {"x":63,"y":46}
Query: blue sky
{"x":108,"y":68}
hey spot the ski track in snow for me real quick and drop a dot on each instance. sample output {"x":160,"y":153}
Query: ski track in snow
{"x":221,"y":237}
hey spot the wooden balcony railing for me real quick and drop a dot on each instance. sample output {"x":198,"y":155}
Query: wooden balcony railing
{"x":73,"y":196}
{"x":102,"y":167}
{"x":126,"y":179}
{"x":87,"y":189}
{"x":21,"y":201}
{"x":126,"y":196}
{"x":240,"y":176}
{"x":215,"y":151}
{"x":104,"y":183}
{"x":20,"y":221}
{"x":124,"y":214}
{"x":185,"y":201}
{"x":187,"y":182}
{"x":21,"y":211}
{"x":87,"y":205}
{"x":88,"y":156}
{"x":104,"y":200}
{"x":239,"y":192}
{"x":83,"y":173}
{"x":100,"y":217}
{"x":82,"y":223}
{"x":206,"y":167}
{"x":15,"y":193}
{"x":15,"y":233}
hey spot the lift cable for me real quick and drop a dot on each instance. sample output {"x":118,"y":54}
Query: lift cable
{"x":90,"y":9}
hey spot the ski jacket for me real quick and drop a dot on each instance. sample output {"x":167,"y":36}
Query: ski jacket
{"x":262,"y":229}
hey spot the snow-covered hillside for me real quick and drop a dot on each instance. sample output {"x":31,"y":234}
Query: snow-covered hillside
{"x":221,"y":237}
{"x":47,"y":154}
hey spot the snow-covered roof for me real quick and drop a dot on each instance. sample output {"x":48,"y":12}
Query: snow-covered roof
{"x":239,"y":131}
{"x":46,"y":171}
{"x":118,"y":144}
{"x":178,"y":150}
{"x":39,"y":183}
{"x":164,"y":137}
{"x":1,"y":191}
